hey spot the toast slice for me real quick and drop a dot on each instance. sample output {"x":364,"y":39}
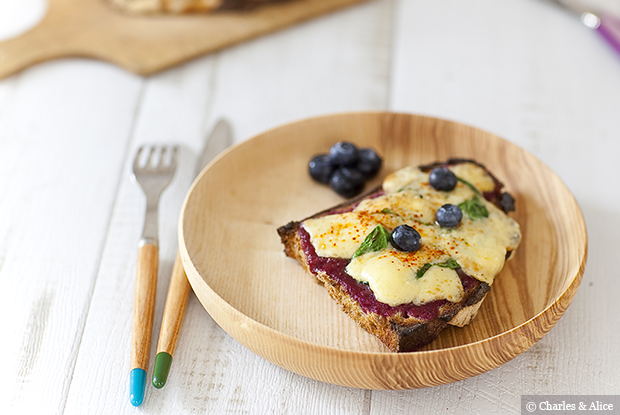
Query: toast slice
{"x":406,"y":306}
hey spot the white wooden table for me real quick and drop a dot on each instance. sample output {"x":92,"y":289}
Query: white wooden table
{"x":70,"y":216}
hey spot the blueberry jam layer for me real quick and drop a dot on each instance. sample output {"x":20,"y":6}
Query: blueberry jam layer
{"x":335,"y":268}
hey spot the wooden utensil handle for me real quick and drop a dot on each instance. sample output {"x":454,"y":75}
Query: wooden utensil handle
{"x":144,"y":305}
{"x":174,"y":311}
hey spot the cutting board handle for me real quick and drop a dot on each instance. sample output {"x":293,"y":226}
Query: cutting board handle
{"x":56,"y":36}
{"x":28,"y":49}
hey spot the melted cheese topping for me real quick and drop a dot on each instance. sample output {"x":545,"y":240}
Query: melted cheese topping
{"x":479,"y":246}
{"x":392,"y":277}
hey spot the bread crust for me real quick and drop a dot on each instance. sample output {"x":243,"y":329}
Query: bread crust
{"x":397,"y":332}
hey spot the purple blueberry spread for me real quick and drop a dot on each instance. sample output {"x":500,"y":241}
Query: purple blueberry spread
{"x":335,"y":268}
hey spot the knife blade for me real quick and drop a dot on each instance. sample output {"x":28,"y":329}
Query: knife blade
{"x":179,"y":289}
{"x":220,"y":139}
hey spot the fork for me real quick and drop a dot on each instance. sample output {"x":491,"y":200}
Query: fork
{"x":153,"y":177}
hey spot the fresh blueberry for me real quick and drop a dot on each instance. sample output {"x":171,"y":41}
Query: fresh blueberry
{"x":347,"y":182}
{"x":441,"y":178}
{"x":369,"y":163}
{"x":506,"y":202}
{"x":449,"y":216}
{"x":344,"y":153}
{"x":321,"y":168}
{"x":405,"y":238}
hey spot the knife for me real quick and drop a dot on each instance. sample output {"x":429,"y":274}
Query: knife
{"x":178,"y":291}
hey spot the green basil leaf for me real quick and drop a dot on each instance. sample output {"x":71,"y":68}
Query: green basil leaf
{"x":474,"y":208}
{"x":450,"y":263}
{"x":375,"y":241}
{"x":423,"y":270}
{"x":468,"y":184}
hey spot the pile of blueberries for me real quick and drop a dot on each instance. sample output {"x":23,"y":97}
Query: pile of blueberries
{"x":346,"y":168}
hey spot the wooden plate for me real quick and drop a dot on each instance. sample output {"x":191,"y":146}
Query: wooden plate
{"x":237,"y":268}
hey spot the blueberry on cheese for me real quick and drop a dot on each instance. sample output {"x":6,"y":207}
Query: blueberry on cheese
{"x":442,"y":178}
{"x":405,"y":238}
{"x":449,"y":216}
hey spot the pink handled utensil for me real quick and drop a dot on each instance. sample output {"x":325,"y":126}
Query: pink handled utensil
{"x":606,"y":24}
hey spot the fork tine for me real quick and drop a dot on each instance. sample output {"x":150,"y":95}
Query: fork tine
{"x":162,"y":159}
{"x":174,"y":157}
{"x":149,"y":159}
{"x":168,"y":157}
{"x":136,"y":160}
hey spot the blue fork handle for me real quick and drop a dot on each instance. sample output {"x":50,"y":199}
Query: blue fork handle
{"x":142,"y":326}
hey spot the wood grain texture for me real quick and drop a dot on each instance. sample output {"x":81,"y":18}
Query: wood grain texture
{"x":145,"y":291}
{"x":174,"y":311}
{"x":267,"y":303}
{"x":56,"y":203}
{"x":144,"y":45}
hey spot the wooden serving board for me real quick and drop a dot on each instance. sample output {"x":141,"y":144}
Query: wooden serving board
{"x":146,"y":44}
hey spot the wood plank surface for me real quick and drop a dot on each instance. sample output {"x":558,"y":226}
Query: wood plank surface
{"x":57,"y":198}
